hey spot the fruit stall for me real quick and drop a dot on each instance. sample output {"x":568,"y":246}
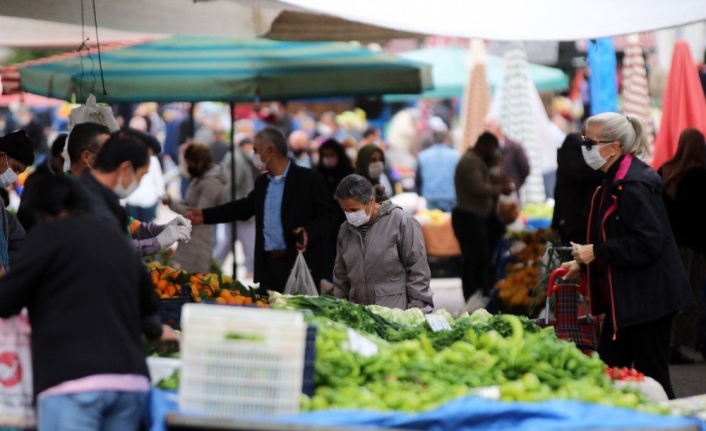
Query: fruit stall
{"x":332,"y":363}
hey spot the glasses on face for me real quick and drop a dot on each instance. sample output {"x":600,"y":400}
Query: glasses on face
{"x":589,"y":143}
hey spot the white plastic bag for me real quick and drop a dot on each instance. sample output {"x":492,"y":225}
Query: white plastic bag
{"x":300,"y":281}
{"x":16,"y":408}
{"x":92,"y":112}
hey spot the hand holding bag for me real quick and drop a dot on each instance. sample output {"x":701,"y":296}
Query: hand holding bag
{"x":300,"y":281}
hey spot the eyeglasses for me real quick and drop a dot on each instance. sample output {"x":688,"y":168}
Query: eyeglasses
{"x":589,"y":143}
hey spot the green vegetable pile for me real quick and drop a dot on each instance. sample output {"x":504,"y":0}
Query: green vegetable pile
{"x":416,"y":369}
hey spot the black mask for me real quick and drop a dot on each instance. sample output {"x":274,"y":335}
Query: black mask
{"x":194,"y":171}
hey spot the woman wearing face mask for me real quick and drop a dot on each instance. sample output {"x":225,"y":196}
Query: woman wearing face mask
{"x":206,"y":189}
{"x":381,"y":257}
{"x":370,"y":164}
{"x":334,"y":163}
{"x":630,"y":258}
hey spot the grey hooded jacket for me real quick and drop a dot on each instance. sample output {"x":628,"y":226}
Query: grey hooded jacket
{"x":388,"y":267}
{"x":203,"y":192}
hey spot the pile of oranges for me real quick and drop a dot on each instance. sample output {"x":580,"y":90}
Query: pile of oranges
{"x":203,"y":287}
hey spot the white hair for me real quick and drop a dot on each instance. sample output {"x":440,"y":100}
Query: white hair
{"x":628,"y":130}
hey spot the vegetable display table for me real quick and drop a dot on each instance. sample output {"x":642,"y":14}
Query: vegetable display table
{"x":464,"y":414}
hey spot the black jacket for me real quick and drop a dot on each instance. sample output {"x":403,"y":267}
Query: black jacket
{"x":575,"y":184}
{"x":104,"y":204}
{"x":306,"y":203}
{"x":86,"y":291}
{"x":686,"y":210}
{"x":637,"y":276}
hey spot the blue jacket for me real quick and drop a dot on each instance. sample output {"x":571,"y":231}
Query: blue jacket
{"x":435,"y":175}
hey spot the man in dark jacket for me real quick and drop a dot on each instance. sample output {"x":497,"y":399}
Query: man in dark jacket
{"x":15,"y":155}
{"x":293,"y":212}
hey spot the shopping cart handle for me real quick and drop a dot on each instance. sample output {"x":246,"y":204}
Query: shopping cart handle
{"x":551,"y":286}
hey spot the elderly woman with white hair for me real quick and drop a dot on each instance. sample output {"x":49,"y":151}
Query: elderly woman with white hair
{"x":630,"y":258}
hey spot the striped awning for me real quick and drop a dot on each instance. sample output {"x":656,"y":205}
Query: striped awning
{"x":191,"y":69}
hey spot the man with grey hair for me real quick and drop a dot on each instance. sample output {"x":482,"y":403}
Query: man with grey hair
{"x":293,"y":212}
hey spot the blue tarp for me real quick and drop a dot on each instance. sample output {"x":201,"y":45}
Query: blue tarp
{"x":603,"y":79}
{"x":475,"y":414}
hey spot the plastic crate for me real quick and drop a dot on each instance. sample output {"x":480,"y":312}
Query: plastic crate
{"x":170,"y":309}
{"x":308,"y":385}
{"x":239,"y":362}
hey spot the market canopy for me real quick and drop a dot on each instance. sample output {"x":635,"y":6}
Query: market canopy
{"x":450,"y":69}
{"x":497,"y":20}
{"x":191,"y":69}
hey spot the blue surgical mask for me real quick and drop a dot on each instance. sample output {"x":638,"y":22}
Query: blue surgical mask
{"x":8,"y":177}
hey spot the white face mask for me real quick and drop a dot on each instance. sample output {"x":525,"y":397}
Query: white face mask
{"x":375,"y":169}
{"x":8,"y":177}
{"x":124,"y":192}
{"x":259,"y":164}
{"x":352,"y":153}
{"x":330,"y":162}
{"x":495,"y":171}
{"x":358,"y":218}
{"x":593,"y":157}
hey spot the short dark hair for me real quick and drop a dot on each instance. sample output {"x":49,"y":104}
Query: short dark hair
{"x":272,"y":136}
{"x":370,"y":131}
{"x":84,"y":137}
{"x":57,"y":147}
{"x":198,"y":153}
{"x":150,"y":141}
{"x":122,"y":147}
{"x":54,"y":194}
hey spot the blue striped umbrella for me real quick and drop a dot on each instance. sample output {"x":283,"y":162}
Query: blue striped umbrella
{"x":191,"y":69}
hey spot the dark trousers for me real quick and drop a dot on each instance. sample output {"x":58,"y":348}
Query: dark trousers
{"x":274,"y":274}
{"x":644,"y":347}
{"x":471,"y":231}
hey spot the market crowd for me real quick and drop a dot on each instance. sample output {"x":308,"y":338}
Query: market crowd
{"x":72,"y":253}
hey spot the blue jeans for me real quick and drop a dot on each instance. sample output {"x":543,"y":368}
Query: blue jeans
{"x":92,"y":411}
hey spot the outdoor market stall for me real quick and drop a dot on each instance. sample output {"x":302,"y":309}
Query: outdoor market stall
{"x":388,"y":368}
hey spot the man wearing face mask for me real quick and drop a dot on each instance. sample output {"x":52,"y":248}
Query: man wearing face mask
{"x":293,"y":212}
{"x":121,"y":163}
{"x":473,"y":218}
{"x":15,"y":155}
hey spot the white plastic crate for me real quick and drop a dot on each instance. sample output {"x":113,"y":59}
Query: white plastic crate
{"x":239,"y":361}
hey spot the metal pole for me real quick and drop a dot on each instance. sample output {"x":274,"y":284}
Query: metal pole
{"x":192,"y":121}
{"x":233,"y":149}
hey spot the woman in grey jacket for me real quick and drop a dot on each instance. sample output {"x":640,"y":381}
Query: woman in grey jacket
{"x":381,"y":257}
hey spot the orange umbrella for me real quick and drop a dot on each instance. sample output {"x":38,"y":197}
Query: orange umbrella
{"x":683,"y":104}
{"x":477,"y":98}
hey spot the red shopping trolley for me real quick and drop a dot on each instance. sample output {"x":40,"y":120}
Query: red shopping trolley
{"x":573,"y":321}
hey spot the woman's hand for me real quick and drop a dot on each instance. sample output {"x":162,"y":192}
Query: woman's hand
{"x":583,"y":253}
{"x":574,"y":269}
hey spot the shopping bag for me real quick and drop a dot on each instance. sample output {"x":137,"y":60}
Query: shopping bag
{"x":508,"y":207}
{"x":300,"y":281}
{"x":16,"y":408}
{"x":92,"y":112}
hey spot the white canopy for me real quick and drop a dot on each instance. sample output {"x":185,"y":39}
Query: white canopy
{"x":514,"y":19}
{"x":497,"y":20}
